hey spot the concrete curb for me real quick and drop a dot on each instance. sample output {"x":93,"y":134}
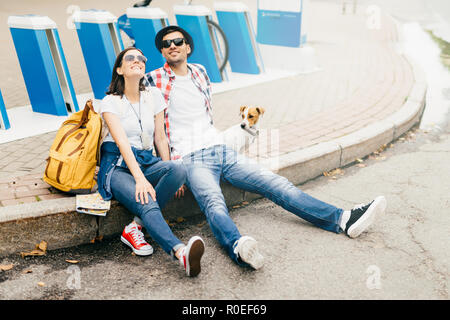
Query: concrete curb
{"x":57,"y":222}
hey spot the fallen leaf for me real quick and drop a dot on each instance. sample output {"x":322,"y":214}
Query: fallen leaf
{"x":42,"y":246}
{"x":6,"y":267}
{"x":27,"y":271}
{"x":201,"y":224}
{"x":41,"y":284}
{"x":359,"y":160}
{"x":236,"y":206}
{"x":72,"y":261}
{"x":180,"y":219}
{"x":244,"y":203}
{"x":39,"y":250}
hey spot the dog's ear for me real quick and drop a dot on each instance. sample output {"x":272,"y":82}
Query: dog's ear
{"x":260,"y":110}
{"x":242,"y":109}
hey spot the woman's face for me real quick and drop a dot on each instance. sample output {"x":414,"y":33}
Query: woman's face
{"x":133,"y":65}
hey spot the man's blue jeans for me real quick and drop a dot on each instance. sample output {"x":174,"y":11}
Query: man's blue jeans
{"x":207,"y":167}
{"x":166,"y":178}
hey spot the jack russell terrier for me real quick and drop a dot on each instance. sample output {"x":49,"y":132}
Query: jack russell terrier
{"x":243,"y":134}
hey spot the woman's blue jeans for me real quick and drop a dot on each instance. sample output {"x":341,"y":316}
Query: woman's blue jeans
{"x":207,"y":167}
{"x":166,"y":178}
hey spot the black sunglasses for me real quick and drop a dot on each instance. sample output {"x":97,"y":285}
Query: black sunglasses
{"x":177,"y":41}
{"x":132,"y":57}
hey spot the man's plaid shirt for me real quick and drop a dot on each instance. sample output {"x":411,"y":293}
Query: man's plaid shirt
{"x":163,"y":79}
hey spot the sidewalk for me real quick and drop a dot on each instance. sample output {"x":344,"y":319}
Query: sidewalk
{"x":365,"y":96}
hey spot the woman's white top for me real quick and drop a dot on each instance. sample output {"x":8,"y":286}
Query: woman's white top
{"x":151,"y":103}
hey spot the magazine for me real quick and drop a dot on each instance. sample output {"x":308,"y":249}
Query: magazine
{"x":92,"y":204}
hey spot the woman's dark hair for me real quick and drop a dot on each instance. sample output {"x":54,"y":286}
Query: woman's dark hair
{"x":117,"y":85}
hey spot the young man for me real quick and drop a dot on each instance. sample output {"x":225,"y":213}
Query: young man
{"x":193,"y":139}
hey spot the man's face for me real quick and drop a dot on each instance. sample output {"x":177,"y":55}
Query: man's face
{"x":175,"y":54}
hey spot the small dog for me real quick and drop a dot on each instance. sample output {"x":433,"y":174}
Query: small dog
{"x":243,"y":134}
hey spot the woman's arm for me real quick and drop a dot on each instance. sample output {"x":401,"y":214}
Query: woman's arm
{"x":160,"y":137}
{"x":143,"y":187}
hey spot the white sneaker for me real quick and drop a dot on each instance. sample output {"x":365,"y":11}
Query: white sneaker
{"x":191,"y":255}
{"x":362,"y":216}
{"x":247,"y":250}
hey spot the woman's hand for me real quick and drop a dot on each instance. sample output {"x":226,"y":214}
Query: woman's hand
{"x":143,"y":189}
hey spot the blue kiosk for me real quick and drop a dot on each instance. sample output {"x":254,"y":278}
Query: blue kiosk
{"x":4,"y":121}
{"x":100,"y":43}
{"x":234,"y":19}
{"x":43,"y":64}
{"x":145,"y":24}
{"x":279,"y":23}
{"x":193,"y":18}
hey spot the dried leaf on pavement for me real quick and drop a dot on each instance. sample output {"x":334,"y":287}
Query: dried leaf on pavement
{"x":72,"y":261}
{"x":6,"y":267}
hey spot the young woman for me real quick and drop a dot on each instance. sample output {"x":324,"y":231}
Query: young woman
{"x":129,"y":170}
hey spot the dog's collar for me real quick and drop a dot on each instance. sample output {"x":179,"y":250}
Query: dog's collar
{"x":253,"y":131}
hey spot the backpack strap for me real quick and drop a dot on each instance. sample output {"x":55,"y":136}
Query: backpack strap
{"x":84,"y":118}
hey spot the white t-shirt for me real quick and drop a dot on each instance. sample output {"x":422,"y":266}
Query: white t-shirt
{"x":190,"y":126}
{"x":151,"y":103}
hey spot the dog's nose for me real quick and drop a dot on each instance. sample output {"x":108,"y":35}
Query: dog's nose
{"x":242,"y":125}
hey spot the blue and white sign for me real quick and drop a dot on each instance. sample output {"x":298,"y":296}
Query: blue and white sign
{"x":100,"y":43}
{"x":279,"y":22}
{"x":43,"y":64}
{"x":234,"y":19}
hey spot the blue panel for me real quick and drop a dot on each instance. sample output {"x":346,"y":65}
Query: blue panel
{"x":279,"y":28}
{"x":99,"y":55}
{"x":144,"y":31}
{"x":4,"y":121}
{"x":66,"y":70}
{"x":242,"y":57}
{"x":203,"y":54}
{"x":38,"y":71}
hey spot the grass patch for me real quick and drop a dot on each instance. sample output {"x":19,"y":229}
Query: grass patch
{"x":445,"y":49}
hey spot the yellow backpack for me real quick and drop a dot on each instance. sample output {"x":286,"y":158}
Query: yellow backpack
{"x":74,"y":153}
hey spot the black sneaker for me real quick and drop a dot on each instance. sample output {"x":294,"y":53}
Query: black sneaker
{"x":362,"y":216}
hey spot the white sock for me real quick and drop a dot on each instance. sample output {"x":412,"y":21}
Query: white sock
{"x":344,"y":219}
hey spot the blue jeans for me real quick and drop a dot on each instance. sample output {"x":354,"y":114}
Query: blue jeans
{"x":166,"y":178}
{"x":207,"y":167}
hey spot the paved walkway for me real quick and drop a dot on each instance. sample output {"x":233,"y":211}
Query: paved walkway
{"x":362,"y":80}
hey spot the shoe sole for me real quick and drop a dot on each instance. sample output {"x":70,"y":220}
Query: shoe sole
{"x":250,"y":254}
{"x":377,"y":207}
{"x":193,"y":256}
{"x":136,"y":251}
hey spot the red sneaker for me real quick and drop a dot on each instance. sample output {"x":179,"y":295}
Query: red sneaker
{"x":133,"y":237}
{"x":191,"y":255}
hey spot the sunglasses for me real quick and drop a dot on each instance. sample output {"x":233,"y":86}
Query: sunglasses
{"x":177,"y":41}
{"x":132,"y":57}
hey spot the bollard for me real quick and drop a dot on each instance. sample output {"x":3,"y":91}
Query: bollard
{"x":193,"y":18}
{"x":43,"y":64}
{"x":100,"y":43}
{"x":4,"y":121}
{"x":234,"y":19}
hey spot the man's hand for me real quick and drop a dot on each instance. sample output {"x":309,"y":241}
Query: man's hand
{"x":180,"y":193}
